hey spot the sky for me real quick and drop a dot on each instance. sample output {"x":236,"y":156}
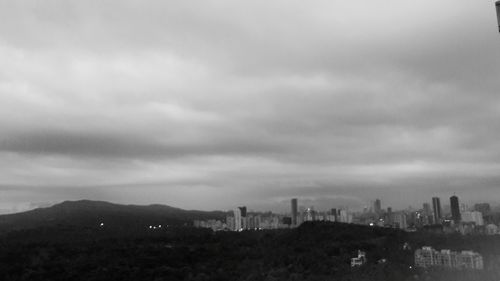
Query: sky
{"x":217,"y":104}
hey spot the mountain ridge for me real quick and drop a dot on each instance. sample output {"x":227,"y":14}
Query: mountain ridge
{"x":90,"y":213}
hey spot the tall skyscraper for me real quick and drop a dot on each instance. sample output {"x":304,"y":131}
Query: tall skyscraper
{"x":436,"y":207}
{"x":294,"y":212}
{"x":455,"y":209}
{"x":377,"y":206}
{"x":244,"y":219}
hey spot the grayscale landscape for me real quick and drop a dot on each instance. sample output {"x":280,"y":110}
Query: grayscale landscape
{"x":257,"y":140}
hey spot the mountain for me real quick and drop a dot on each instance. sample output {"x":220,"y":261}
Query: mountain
{"x":87,"y":213}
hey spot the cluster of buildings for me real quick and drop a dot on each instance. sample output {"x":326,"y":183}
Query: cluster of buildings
{"x":458,"y":214}
{"x":429,"y":257}
{"x":459,"y":218}
{"x":298,"y":216}
{"x":240,"y":219}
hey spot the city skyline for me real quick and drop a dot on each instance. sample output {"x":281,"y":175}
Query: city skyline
{"x":455,"y":218}
{"x":202,"y":106}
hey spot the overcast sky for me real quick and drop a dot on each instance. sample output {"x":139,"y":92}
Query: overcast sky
{"x":215,"y":104}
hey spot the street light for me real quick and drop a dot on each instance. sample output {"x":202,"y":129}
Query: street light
{"x":497,"y":4}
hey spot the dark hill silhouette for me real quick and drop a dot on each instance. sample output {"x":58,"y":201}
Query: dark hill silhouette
{"x":85,"y":213}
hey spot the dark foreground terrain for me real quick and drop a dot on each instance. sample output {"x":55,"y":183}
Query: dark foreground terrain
{"x":68,"y":242}
{"x":314,"y":251}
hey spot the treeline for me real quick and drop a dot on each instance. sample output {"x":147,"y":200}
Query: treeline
{"x":314,"y":251}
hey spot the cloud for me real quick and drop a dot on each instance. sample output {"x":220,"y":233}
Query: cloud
{"x":253,"y":102}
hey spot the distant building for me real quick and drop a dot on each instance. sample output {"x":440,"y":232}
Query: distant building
{"x":257,"y":219}
{"x":230,"y":223}
{"x":294,"y":212}
{"x":464,"y":207}
{"x":474,"y":216}
{"x":466,"y":228}
{"x":237,"y":220}
{"x":345,"y":217}
{"x":377,"y":207}
{"x":455,"y":209}
{"x":253,"y":221}
{"x":399,"y":220}
{"x":215,"y":225}
{"x":335,"y":214}
{"x":389,"y":216}
{"x":310,"y":214}
{"x":244,"y":219}
{"x":287,"y":221}
{"x":491,"y":229}
{"x":484,"y":208}
{"x":300,"y":218}
{"x":427,"y":209}
{"x":436,"y":207}
{"x":243,"y":210}
{"x":271,"y":222}
{"x":428,"y":257}
{"x":359,"y":260}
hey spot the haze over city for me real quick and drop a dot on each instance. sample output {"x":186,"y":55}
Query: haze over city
{"x":221,"y":104}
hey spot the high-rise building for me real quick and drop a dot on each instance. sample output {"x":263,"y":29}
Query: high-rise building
{"x":377,"y":206}
{"x":427,"y":209}
{"x":335,"y":214}
{"x":243,"y":210}
{"x":455,"y":209}
{"x":294,"y":212}
{"x":436,"y":207}
{"x":237,"y":219}
{"x":244,"y":218}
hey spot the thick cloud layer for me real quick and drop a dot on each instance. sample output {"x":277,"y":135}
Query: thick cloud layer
{"x":216,"y":104}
